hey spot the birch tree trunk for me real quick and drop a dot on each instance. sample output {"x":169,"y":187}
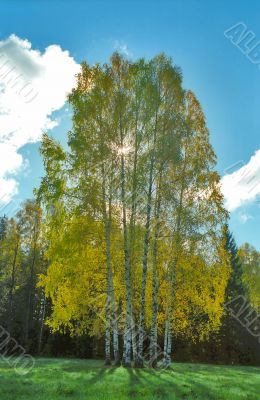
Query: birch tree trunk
{"x":108,"y":334}
{"x":11,"y":292}
{"x":134,"y":344}
{"x":165,"y":343}
{"x":140,"y":355}
{"x":42,"y":324}
{"x":169,"y":317}
{"x":30,"y":292}
{"x":111,"y":312}
{"x":132,"y":237}
{"x":153,"y":333}
{"x":128,"y":318}
{"x":168,"y":336}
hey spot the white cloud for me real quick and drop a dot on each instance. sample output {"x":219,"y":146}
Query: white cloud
{"x":244,"y":217}
{"x":122,"y":48}
{"x":242,"y":186}
{"x":32,"y":86}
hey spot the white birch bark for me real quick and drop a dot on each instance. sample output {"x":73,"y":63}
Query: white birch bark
{"x":128,"y":319}
{"x":111,"y":312}
{"x":108,"y":334}
{"x":153,"y":333}
{"x":140,"y":355}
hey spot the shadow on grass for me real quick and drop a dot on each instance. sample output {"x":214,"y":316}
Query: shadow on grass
{"x":196,"y":382}
{"x":88,"y":379}
{"x":148,"y":382}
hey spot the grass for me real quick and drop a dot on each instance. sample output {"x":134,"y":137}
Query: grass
{"x":55,"y":379}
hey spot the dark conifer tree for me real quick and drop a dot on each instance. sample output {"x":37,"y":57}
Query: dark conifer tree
{"x":235,"y":342}
{"x":235,"y":285}
{"x":3,"y":227}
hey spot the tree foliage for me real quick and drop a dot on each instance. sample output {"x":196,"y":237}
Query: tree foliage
{"x":134,"y":211}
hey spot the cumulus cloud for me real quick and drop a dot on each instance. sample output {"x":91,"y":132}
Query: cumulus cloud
{"x":244,"y":217}
{"x":242,"y":186}
{"x":33,"y":85}
{"x":122,"y":48}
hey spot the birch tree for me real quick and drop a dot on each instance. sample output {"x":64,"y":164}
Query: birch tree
{"x":136,"y":211}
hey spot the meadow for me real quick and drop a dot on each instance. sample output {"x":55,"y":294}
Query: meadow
{"x":56,"y":379}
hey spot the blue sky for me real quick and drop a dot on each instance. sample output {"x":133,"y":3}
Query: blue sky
{"x":192,"y":33}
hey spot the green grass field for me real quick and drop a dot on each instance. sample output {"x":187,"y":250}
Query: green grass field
{"x":53,"y":379}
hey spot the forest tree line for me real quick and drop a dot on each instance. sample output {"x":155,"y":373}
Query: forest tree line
{"x":127,"y":239}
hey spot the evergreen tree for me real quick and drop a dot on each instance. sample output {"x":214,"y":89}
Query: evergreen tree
{"x":235,"y":285}
{"x":3,"y":227}
{"x":233,"y":338}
